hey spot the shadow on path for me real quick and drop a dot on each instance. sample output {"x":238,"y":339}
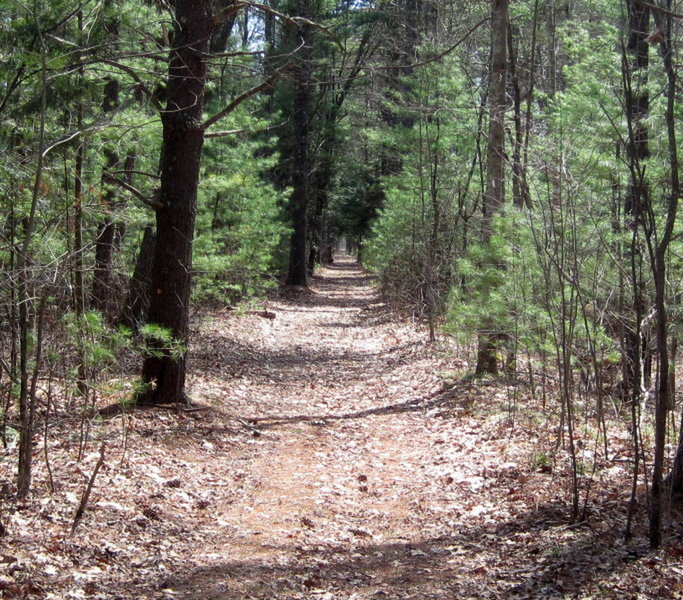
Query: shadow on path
{"x":444,"y":397}
{"x":462,"y":565}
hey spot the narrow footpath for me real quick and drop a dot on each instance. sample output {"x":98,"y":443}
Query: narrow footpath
{"x":331,"y":454}
{"x":363,"y":476}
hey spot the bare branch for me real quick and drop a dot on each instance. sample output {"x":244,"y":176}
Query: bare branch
{"x":228,"y":12}
{"x":131,"y":72}
{"x":134,"y":172}
{"x":438,"y":56}
{"x":88,"y":490}
{"x":215,"y":134}
{"x":662,"y":10}
{"x":248,"y":94}
{"x":63,"y":140}
{"x":108,"y":177}
{"x":295,"y":20}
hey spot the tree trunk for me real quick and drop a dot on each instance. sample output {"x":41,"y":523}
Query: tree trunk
{"x":664,"y":395}
{"x":663,"y":399}
{"x":77,"y":275}
{"x":300,"y":155}
{"x":107,"y":238}
{"x":494,"y":195}
{"x":183,"y":137}
{"x":637,"y":149}
{"x":136,"y":305}
{"x":520,"y":187}
{"x":327,"y":245}
{"x":25,"y":295}
{"x":320,"y":184}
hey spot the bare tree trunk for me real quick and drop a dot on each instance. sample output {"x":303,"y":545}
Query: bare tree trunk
{"x":136,"y":305}
{"x":25,"y":297}
{"x":520,"y":188}
{"x":109,"y":232}
{"x":494,"y":194}
{"x":659,"y":269}
{"x":637,"y":148}
{"x":300,"y":154}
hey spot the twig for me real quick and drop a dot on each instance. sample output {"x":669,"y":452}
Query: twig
{"x":662,"y":10}
{"x":109,"y":178}
{"x":214,"y":134}
{"x":46,"y":433}
{"x":248,"y":94}
{"x":141,"y":84}
{"x":88,"y":489}
{"x":247,"y":425}
{"x":266,"y":314}
{"x":438,"y":56}
{"x":129,"y":172}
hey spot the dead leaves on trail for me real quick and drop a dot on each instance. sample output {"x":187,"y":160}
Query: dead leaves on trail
{"x":327,"y":460}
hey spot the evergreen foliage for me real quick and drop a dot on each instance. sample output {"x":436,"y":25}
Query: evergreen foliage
{"x":370,"y":125}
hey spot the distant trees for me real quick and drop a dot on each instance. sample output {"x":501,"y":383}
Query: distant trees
{"x":300,"y":159}
{"x":331,"y":44}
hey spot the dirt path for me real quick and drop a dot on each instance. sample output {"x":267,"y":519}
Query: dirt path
{"x":340,"y":388}
{"x":364,"y":478}
{"x":326,"y":461}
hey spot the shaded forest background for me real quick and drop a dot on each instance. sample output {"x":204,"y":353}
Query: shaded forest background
{"x":508,"y":171}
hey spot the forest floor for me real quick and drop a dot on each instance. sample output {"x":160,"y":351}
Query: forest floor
{"x":332,"y":454}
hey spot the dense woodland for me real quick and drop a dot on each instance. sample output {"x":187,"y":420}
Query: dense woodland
{"x":507,"y":171}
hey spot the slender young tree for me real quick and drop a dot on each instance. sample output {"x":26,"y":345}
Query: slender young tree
{"x":658,"y":247}
{"x":25,"y":292}
{"x":110,"y":228}
{"x":637,"y":107}
{"x":635,"y":62}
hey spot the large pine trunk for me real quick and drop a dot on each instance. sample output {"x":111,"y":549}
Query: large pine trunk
{"x":183,"y":137}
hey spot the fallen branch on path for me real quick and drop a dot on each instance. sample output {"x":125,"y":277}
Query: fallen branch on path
{"x":86,"y":494}
{"x":266,"y":314}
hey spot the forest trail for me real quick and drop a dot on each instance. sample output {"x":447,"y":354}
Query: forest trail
{"x":326,"y":459}
{"x":362,"y":477}
{"x":336,"y":390}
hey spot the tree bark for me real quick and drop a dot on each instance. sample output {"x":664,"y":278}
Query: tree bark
{"x":637,"y":150}
{"x":659,"y":263}
{"x":105,"y":242}
{"x":136,"y":305}
{"x":494,"y":195}
{"x":520,"y":187}
{"x":300,"y":155}
{"x":25,"y":295}
{"x":183,"y":138}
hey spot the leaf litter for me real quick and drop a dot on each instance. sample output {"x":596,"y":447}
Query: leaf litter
{"x":325,"y":458}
